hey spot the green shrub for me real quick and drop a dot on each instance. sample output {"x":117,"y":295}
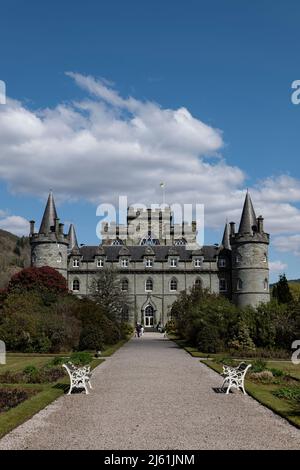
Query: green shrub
{"x":91,"y":337}
{"x":289,"y":393}
{"x":81,"y":358}
{"x":126,"y":330}
{"x":259,"y":365}
{"x":276,"y":372}
{"x":30,"y":370}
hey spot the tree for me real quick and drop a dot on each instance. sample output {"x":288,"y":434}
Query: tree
{"x":40,"y":279}
{"x":106,"y":292}
{"x":281,"y":290}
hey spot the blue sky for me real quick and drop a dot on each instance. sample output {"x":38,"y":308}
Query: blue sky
{"x":230,"y":64}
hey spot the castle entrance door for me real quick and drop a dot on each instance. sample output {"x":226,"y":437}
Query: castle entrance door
{"x":149,"y":316}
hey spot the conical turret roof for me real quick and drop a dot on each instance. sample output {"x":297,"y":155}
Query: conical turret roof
{"x":49,"y":216}
{"x":72,"y":237}
{"x":226,"y":237}
{"x":248,"y":219}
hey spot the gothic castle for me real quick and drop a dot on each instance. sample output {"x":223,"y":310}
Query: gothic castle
{"x":154,"y":268}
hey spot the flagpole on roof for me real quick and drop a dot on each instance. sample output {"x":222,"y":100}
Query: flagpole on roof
{"x":162,"y":185}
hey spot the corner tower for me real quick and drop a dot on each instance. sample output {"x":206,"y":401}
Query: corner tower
{"x":250,"y":269}
{"x":49,"y":247}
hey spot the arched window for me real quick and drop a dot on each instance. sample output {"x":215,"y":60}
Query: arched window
{"x":239,"y":284}
{"x":238,"y":258}
{"x":173,"y":284}
{"x":265,"y":258}
{"x":150,"y":240}
{"x":180,"y":242}
{"x":149,"y":285}
{"x":266,"y":284}
{"x":117,"y":242}
{"x":76,"y":285}
{"x":59,"y":257}
{"x":198,"y":283}
{"x":124,"y":285}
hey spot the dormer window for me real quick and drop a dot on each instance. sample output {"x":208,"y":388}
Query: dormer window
{"x":76,"y":263}
{"x":100,"y":263}
{"x":149,"y":263}
{"x":198,"y":263}
{"x":222,"y":263}
{"x":124,"y":263}
{"x":173,"y":263}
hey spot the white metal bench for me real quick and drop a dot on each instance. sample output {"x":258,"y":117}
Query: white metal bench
{"x":80,"y":377}
{"x":235,"y":376}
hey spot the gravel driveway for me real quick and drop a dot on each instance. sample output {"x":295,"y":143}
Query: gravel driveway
{"x":152,"y":395}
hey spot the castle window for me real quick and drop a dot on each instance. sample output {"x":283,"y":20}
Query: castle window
{"x":173,"y":263}
{"x":150,"y":240}
{"x":149,"y":263}
{"x":198,"y":263}
{"x":100,"y":263}
{"x":180,"y":242}
{"x":266,"y":284}
{"x":124,"y":263}
{"x":76,"y":285}
{"x":239,"y":284}
{"x":238,"y":258}
{"x":222,"y":263}
{"x":149,"y":285}
{"x":117,"y":242}
{"x":198,"y":283}
{"x":265,"y":258}
{"x":33,"y":258}
{"x":124,"y":285}
{"x":173,"y":285}
{"x":222,"y":285}
{"x":75,"y":263}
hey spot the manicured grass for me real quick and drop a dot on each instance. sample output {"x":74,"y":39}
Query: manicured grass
{"x":47,"y":393}
{"x":17,"y":363}
{"x":287,"y":366}
{"x":263,"y":393}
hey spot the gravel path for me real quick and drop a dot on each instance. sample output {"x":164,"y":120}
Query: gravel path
{"x":152,"y":395}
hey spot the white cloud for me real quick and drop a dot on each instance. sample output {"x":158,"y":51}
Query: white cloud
{"x":107,"y":145}
{"x":289,"y":243}
{"x":277,"y":266}
{"x":15,"y":224}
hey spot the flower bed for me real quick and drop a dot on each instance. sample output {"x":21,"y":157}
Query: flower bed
{"x":11,"y":397}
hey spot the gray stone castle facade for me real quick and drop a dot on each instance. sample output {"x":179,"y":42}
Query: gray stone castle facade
{"x":152,"y":267}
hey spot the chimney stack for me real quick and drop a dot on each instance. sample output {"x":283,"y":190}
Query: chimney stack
{"x":32,"y":222}
{"x":232,"y":228}
{"x":260,"y":224}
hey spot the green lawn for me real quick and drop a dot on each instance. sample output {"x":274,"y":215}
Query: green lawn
{"x":46,"y":393}
{"x":263,"y":392}
{"x":17,"y":362}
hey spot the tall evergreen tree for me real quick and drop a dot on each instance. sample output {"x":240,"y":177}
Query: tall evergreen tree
{"x":281,"y":290}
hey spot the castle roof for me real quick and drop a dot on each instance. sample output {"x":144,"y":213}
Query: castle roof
{"x":248,"y":219}
{"x":49,"y":216}
{"x":72,"y":237}
{"x":137,"y":253}
{"x":226,"y":238}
